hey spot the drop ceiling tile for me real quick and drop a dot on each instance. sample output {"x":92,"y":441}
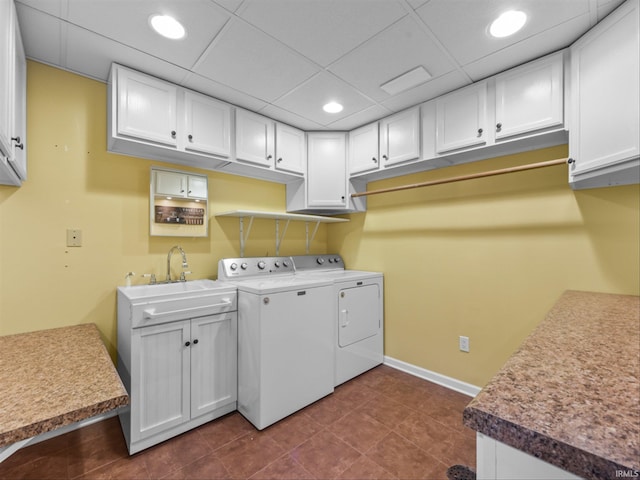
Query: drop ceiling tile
{"x":402,"y":47}
{"x":41,"y":35}
{"x":322,"y":30}
{"x":128,"y":22}
{"x":307,"y":99}
{"x":605,"y":7}
{"x":363,"y":117}
{"x":289,"y":118}
{"x":222,"y":92}
{"x":92,"y":55}
{"x":462,"y":25}
{"x":434,"y":88}
{"x":247,"y":59}
{"x":57,"y":8}
{"x":529,"y":49}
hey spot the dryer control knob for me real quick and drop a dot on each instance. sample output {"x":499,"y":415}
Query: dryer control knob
{"x":277,"y":264}
{"x":285,"y":263}
{"x":244,"y":266}
{"x":233,"y":266}
{"x":261,"y":265}
{"x":336,"y":260}
{"x":320,"y":260}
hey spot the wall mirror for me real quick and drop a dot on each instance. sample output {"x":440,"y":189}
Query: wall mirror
{"x":178,"y":204}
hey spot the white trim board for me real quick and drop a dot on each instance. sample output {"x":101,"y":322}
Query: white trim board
{"x":443,"y":380}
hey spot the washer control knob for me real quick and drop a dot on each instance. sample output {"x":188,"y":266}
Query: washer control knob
{"x":336,"y":260}
{"x":285,"y":263}
{"x":261,"y":265}
{"x":277,"y":263}
{"x":330,"y":260}
{"x":233,"y":267}
{"x":244,"y":266}
{"x":320,"y":260}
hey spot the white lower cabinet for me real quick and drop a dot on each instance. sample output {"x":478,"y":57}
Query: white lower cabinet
{"x":604,"y":135}
{"x":498,"y":461}
{"x":183,"y":374}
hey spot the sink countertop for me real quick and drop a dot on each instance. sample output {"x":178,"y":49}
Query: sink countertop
{"x":570,"y":395}
{"x":52,"y":378}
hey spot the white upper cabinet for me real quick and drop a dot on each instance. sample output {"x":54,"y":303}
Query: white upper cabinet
{"x":327,"y":170}
{"x":363,"y":149}
{"x":604,"y":136}
{"x":147,"y":108}
{"x":13,"y":99}
{"x":461,"y":118}
{"x":400,"y":137}
{"x":291,"y":151}
{"x":529,"y":98}
{"x":179,"y":184}
{"x":152,"y":118}
{"x":254,"y":138}
{"x":207,"y":125}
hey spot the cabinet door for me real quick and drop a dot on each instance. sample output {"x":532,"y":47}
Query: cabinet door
{"x":290,"y":149}
{"x":400,"y":137}
{"x":254,"y":138}
{"x":160,"y":372}
{"x":214,"y":368}
{"x":605,"y":125}
{"x":530,"y":98}
{"x":197,"y":186}
{"x":207,"y":125}
{"x":363,"y":149}
{"x":18,"y":159}
{"x":170,"y":183}
{"x":146,"y":108}
{"x":326,"y":170}
{"x":461,"y":118}
{"x":6,"y":61}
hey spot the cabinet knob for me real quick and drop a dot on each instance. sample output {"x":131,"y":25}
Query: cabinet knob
{"x":480,"y":132}
{"x":173,"y":134}
{"x":375,"y":160}
{"x":498,"y":127}
{"x":19,"y":144}
{"x":269,"y":157}
{"x":190,"y":137}
{"x":280,"y":159}
{"x":384,"y":157}
{"x":187,"y":343}
{"x":195,"y":342}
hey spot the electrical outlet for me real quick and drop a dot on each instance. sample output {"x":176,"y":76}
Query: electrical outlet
{"x":74,"y":237}
{"x":464,"y":344}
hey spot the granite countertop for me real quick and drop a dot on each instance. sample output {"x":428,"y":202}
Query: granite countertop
{"x":570,"y":395}
{"x":52,"y":378}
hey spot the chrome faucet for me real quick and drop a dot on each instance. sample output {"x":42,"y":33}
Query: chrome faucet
{"x":184,"y":262}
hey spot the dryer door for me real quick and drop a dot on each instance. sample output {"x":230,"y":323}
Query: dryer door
{"x":358,"y":314}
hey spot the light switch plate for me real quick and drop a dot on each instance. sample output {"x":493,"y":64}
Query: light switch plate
{"x":74,"y":237}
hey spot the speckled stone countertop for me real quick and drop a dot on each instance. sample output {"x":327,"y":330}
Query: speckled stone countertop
{"x":570,"y":395}
{"x":51,"y":378}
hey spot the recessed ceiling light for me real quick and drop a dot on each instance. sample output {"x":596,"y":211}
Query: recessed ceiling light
{"x":167,"y":26}
{"x":508,"y":23}
{"x":332,"y":107}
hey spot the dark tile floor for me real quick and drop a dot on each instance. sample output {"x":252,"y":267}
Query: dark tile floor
{"x":384,"y":424}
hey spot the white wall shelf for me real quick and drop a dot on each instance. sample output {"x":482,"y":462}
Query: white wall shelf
{"x":288,"y":217}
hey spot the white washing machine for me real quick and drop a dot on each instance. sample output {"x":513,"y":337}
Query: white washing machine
{"x":358,"y":313}
{"x":285,"y":337}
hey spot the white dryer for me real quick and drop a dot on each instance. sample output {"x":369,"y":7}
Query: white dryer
{"x":358,"y":313}
{"x":285,"y":337}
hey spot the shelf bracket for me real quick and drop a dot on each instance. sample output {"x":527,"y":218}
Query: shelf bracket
{"x":313,"y":235}
{"x":243,"y":236}
{"x":279,"y":238}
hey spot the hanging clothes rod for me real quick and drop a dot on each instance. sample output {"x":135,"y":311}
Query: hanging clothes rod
{"x":491,"y":173}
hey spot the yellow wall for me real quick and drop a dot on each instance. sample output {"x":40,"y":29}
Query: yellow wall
{"x":487,"y":258}
{"x":74,"y":183}
{"x":484,"y":258}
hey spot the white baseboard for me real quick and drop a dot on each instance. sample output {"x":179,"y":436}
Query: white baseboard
{"x":448,"y":382}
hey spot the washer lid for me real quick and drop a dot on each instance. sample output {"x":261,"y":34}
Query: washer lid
{"x":283,"y":283}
